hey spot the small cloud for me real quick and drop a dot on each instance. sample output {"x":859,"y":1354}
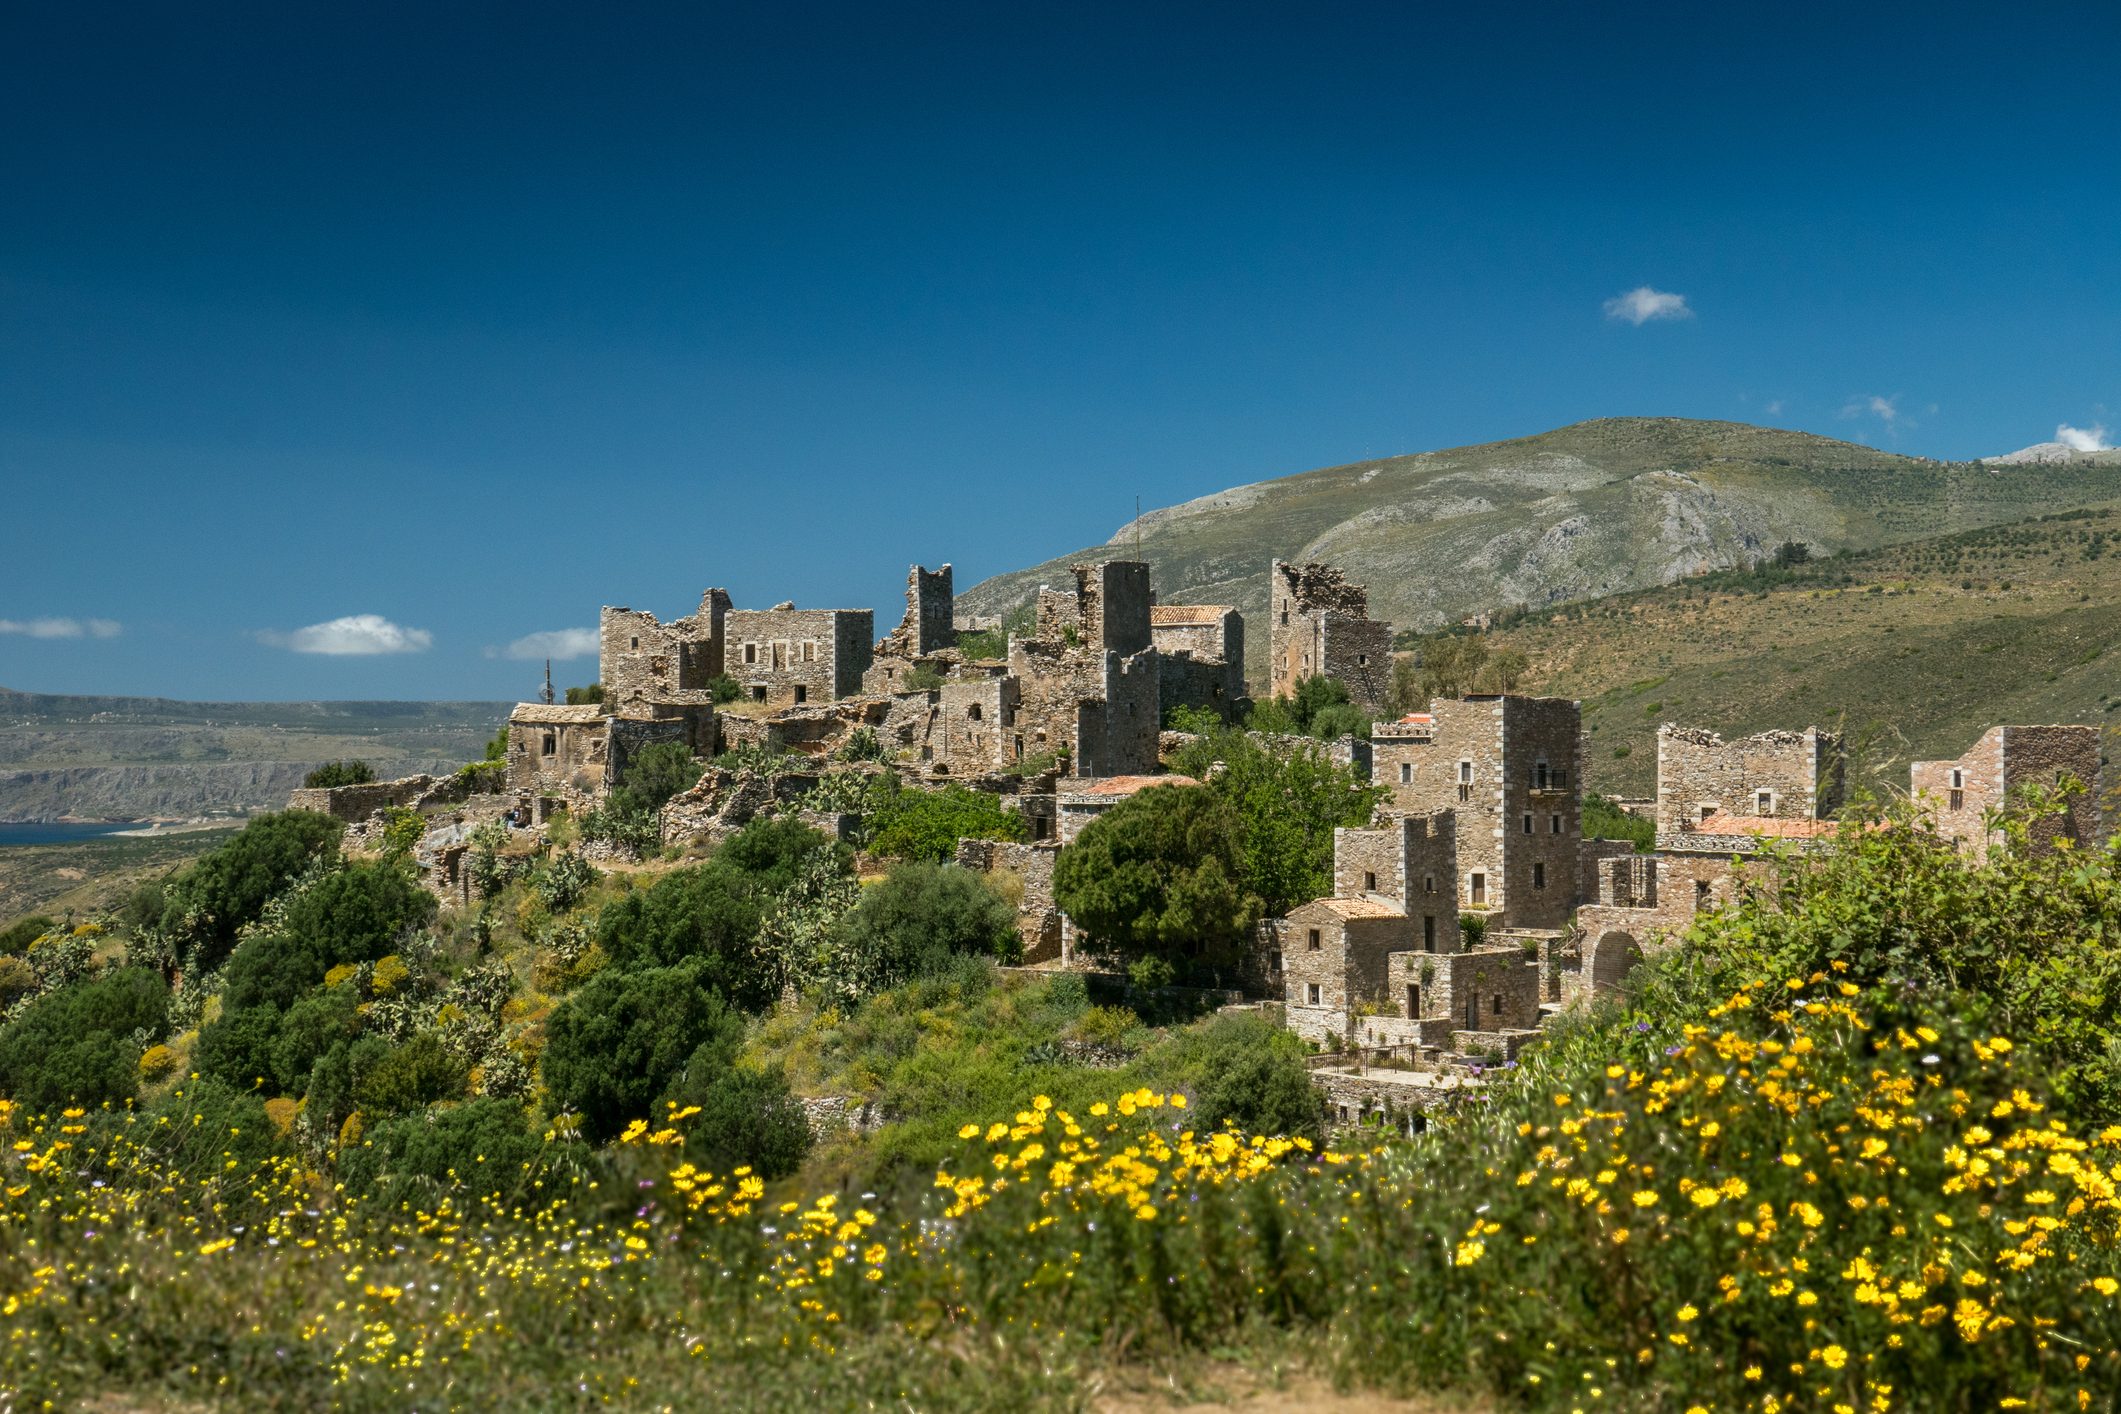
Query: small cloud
{"x":63,"y":628}
{"x":1642,"y":304}
{"x":554,"y":643}
{"x":1886,"y":410}
{"x":1774,"y":407}
{"x":2084,"y":439}
{"x":355,"y":635}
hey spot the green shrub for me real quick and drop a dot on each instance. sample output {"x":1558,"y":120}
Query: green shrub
{"x":1159,"y":874}
{"x":24,"y":931}
{"x":585,"y":696}
{"x":562,"y":882}
{"x":237,"y":1048}
{"x":206,"y":904}
{"x":307,"y":1032}
{"x":746,"y":1115}
{"x":656,"y":773}
{"x":339,"y":773}
{"x":1288,"y":799}
{"x":76,"y":1045}
{"x":1603,"y":820}
{"x":403,"y":828}
{"x":613,"y":1047}
{"x":418,"y":1073}
{"x":724,"y":688}
{"x":1247,"y":1072}
{"x":354,"y":914}
{"x":909,"y":823}
{"x":481,"y":1148}
{"x":708,"y":914}
{"x":915,"y":921}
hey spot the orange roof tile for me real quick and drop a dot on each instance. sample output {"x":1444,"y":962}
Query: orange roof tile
{"x":1767,"y":827}
{"x":1187,"y":613}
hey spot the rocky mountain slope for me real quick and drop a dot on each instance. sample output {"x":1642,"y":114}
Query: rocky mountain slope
{"x":1595,"y":509}
{"x":136,"y":758}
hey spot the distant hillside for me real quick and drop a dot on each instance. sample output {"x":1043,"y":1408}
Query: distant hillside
{"x":1912,"y":650}
{"x":1595,"y":509}
{"x":136,"y":758}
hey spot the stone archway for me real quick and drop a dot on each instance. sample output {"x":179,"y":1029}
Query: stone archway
{"x":1613,"y":957}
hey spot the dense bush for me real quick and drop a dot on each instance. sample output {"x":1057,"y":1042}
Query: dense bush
{"x":1159,"y":874}
{"x":308,"y":1031}
{"x":745,"y":1115}
{"x":236,"y":1048}
{"x":1247,"y":1072}
{"x":416,"y":1074}
{"x":708,"y":914}
{"x":1288,"y":800}
{"x":906,"y":823}
{"x":354,"y":914}
{"x":775,"y":852}
{"x":205,"y":905}
{"x":339,"y":773}
{"x":916,"y":920}
{"x":24,"y":931}
{"x":613,"y":1047}
{"x":482,"y":1147}
{"x":1603,"y":820}
{"x":76,"y":1045}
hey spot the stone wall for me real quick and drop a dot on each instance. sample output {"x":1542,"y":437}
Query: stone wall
{"x":641,"y":659}
{"x":1997,"y":772}
{"x":1499,"y":762}
{"x":785,"y":655}
{"x":1464,"y":988}
{"x":1319,"y":623}
{"x":1202,"y":650}
{"x":557,"y":751}
{"x":1410,"y":860}
{"x":1783,"y":775}
{"x":353,"y":804}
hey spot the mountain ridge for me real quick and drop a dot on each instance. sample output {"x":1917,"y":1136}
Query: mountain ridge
{"x":1605,"y":506}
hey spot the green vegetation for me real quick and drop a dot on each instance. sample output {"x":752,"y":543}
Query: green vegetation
{"x":1286,"y":799}
{"x":585,"y":696}
{"x":724,"y":688}
{"x":206,"y":905}
{"x":907,"y":823}
{"x":1452,"y":664}
{"x":1603,"y":820}
{"x":631,"y":815}
{"x":1320,"y":707}
{"x":1159,"y":875}
{"x":339,"y":773}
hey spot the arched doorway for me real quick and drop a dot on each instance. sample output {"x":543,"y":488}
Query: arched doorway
{"x":1613,"y":957}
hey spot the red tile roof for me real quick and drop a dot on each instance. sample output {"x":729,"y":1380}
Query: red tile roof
{"x":1187,"y":613}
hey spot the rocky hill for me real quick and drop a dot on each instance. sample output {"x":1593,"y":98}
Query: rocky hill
{"x":148,"y":758}
{"x":1595,"y":509}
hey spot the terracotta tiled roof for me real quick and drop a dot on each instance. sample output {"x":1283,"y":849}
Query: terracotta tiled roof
{"x":1356,"y":908}
{"x":558,"y":714}
{"x":1128,"y":785}
{"x":1765,"y":826}
{"x":1187,"y":613}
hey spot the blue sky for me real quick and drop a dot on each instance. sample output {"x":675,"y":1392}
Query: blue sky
{"x":459,"y":321}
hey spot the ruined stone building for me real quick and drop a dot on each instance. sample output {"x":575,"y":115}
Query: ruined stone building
{"x":1088,"y":676}
{"x":1512,"y":769}
{"x":1720,"y":805}
{"x":1200,"y":656}
{"x":925,"y":638}
{"x":782,"y":656}
{"x":1383,"y":961}
{"x":1319,"y":624}
{"x":1999,"y":770}
{"x":1772,"y":775}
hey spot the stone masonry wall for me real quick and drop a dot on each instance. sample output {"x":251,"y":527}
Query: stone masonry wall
{"x":785,"y":655}
{"x":1038,"y":919}
{"x":1997,"y":772}
{"x":354,"y":804}
{"x":1776,"y":774}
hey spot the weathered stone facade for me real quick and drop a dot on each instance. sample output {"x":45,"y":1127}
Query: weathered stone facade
{"x":1410,"y":862}
{"x":925,"y":638}
{"x":1200,"y":656}
{"x":1996,"y":774}
{"x":558,"y":751}
{"x":354,"y":804}
{"x":1088,"y":676}
{"x":1772,"y":775}
{"x":1511,"y":768}
{"x":1334,"y":957}
{"x":785,"y":656}
{"x":642,"y":660}
{"x":1320,"y":624}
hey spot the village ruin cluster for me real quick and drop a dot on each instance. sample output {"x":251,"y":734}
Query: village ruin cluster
{"x":1466,"y":912}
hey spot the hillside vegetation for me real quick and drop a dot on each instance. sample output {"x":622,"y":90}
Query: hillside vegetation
{"x":1912,"y":650}
{"x":1585,"y":511}
{"x":140,"y":758}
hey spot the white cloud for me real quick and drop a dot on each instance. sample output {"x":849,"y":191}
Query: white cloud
{"x":1886,"y":410}
{"x":2084,"y":439}
{"x":1642,"y":304}
{"x":354,"y":635}
{"x":63,"y":628}
{"x":554,"y":643}
{"x":1774,"y":408}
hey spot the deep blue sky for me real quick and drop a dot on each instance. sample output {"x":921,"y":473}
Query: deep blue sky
{"x":475,"y":317}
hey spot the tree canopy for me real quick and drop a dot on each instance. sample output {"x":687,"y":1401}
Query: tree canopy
{"x":204,"y":906}
{"x":1287,"y":799}
{"x":1158,"y":875}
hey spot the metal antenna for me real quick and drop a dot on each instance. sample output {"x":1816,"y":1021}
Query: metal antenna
{"x":1137,"y":526}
